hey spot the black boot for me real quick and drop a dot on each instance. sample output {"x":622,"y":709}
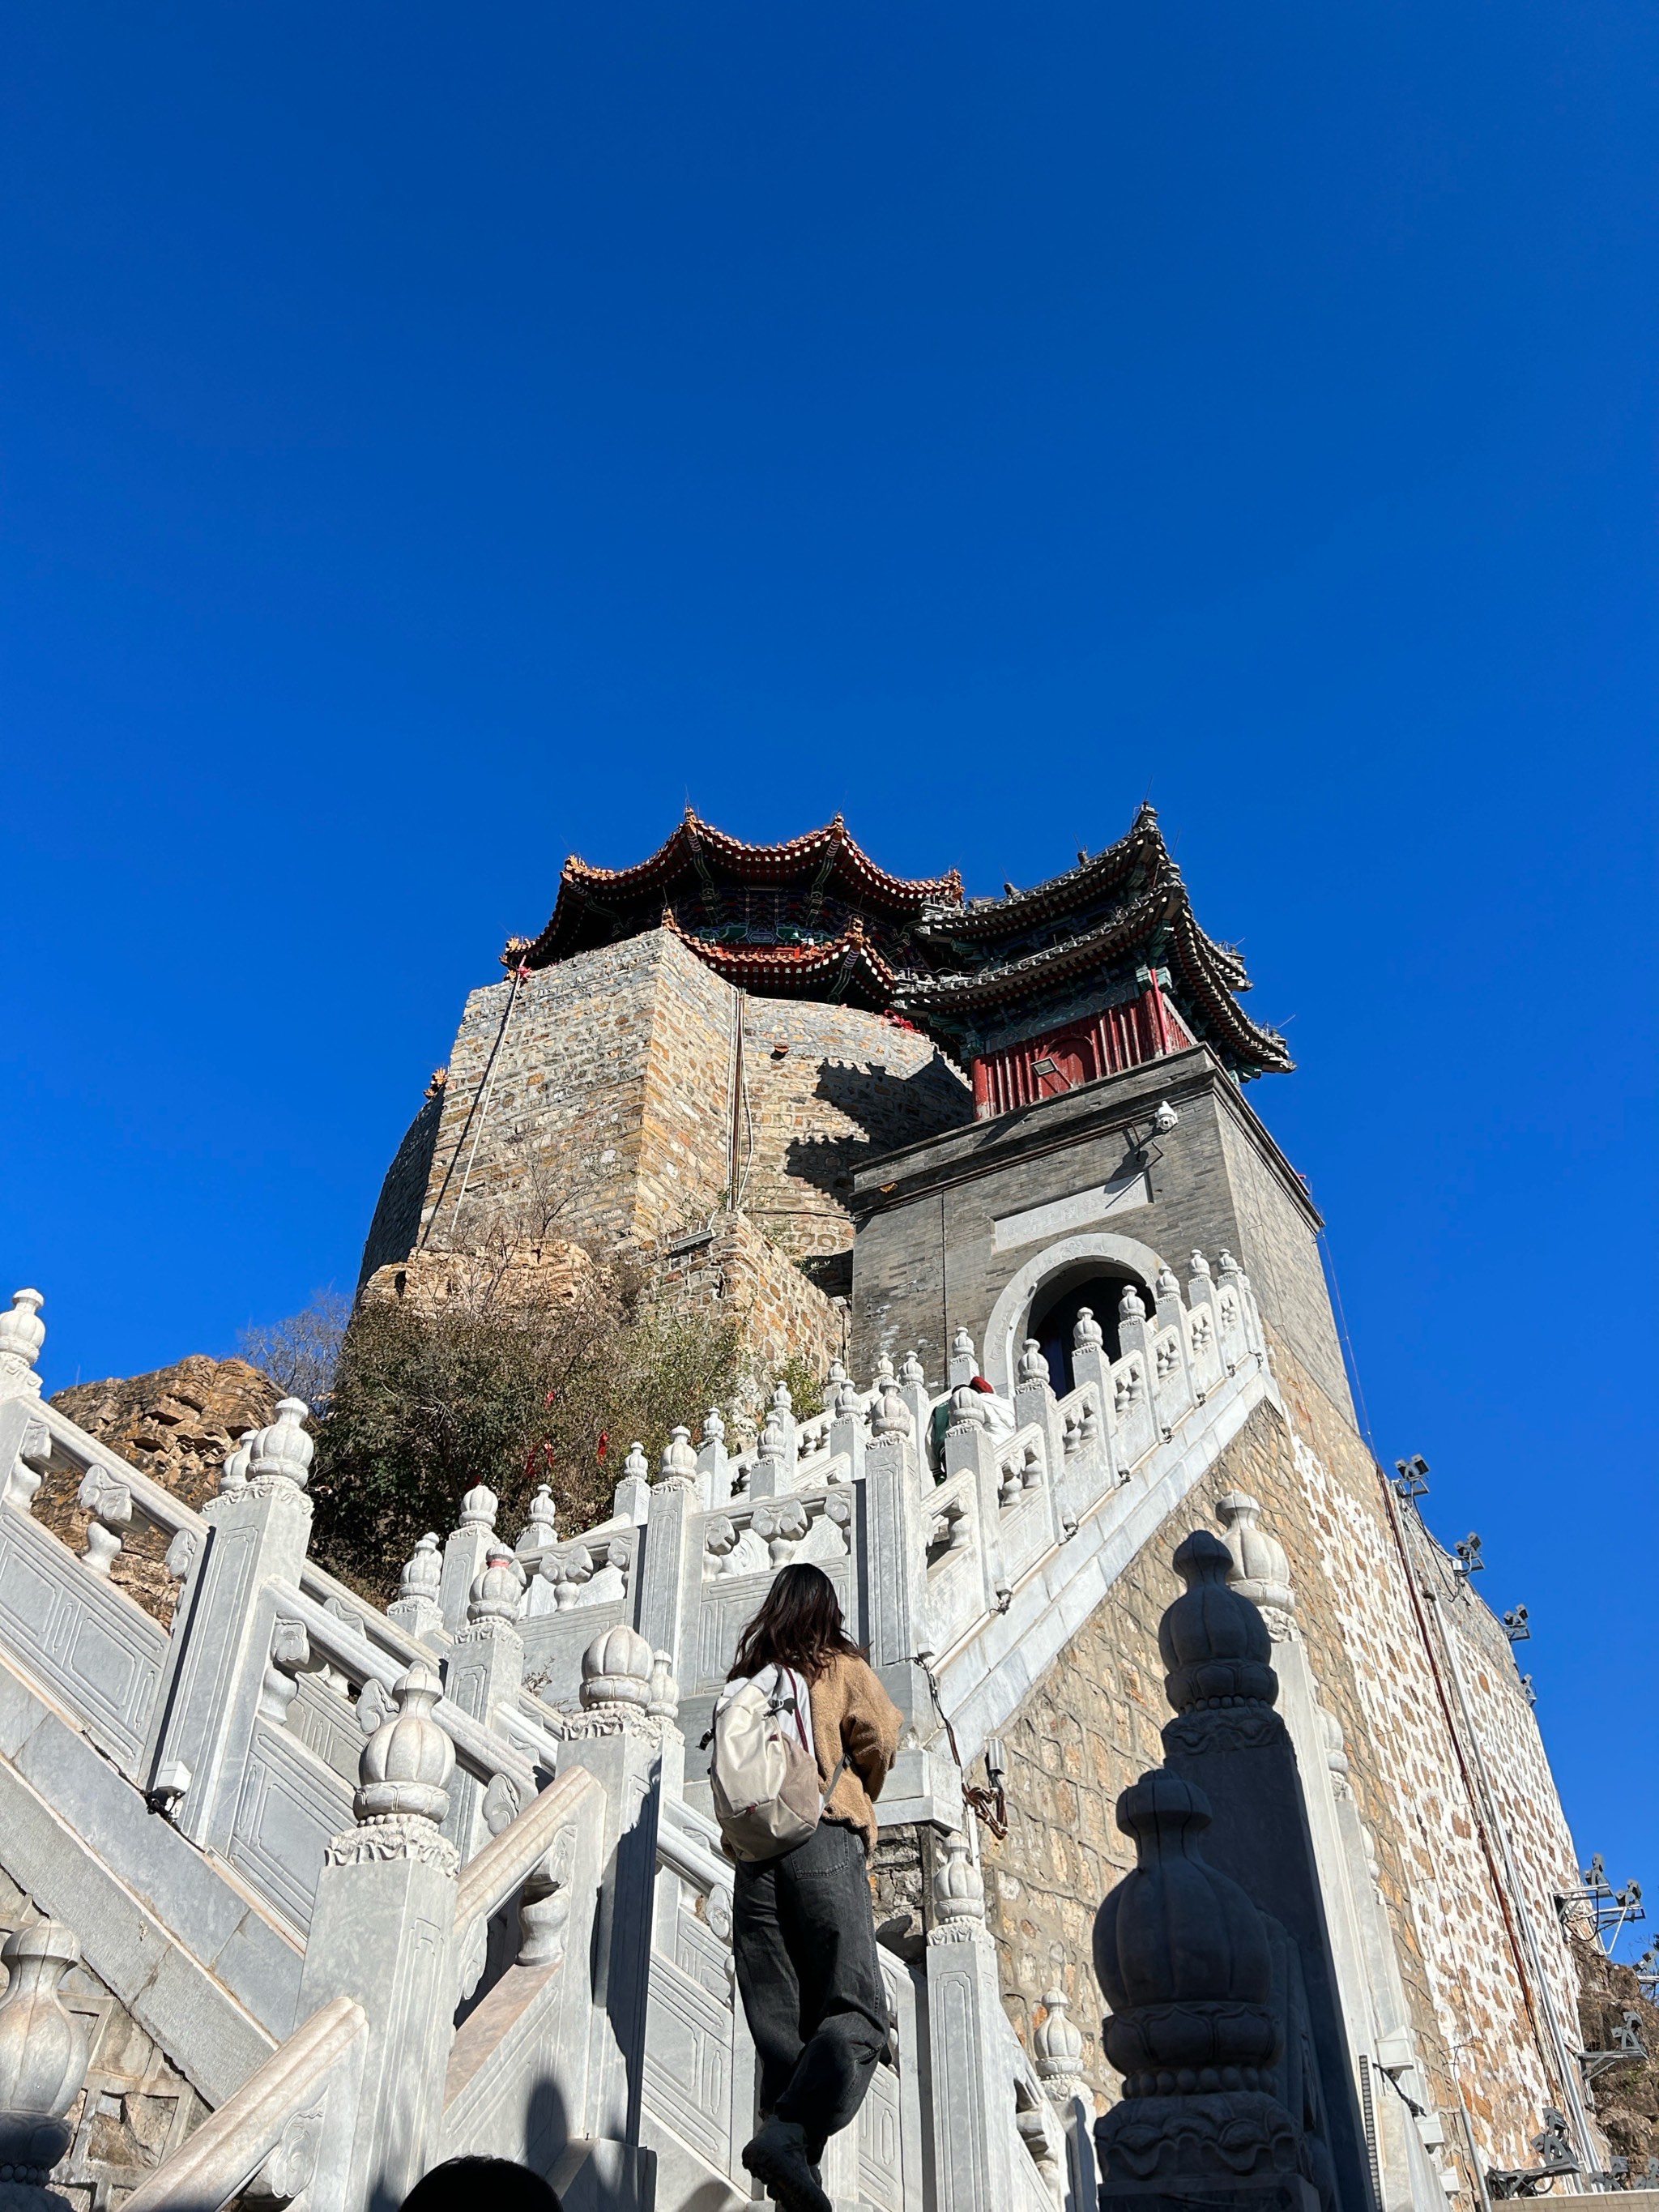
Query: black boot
{"x":778,"y":2157}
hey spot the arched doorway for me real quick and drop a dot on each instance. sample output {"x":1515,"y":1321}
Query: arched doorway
{"x":1054,"y":1316}
{"x":1035,"y":1288}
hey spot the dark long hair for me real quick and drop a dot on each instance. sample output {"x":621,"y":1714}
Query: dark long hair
{"x":799,"y":1626}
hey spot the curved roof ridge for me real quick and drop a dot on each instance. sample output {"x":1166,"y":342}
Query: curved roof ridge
{"x":692,"y":832}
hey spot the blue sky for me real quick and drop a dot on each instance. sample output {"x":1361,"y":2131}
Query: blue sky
{"x":438,"y":440}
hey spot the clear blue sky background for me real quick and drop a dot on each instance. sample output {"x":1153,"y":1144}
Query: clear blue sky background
{"x":439,"y":440}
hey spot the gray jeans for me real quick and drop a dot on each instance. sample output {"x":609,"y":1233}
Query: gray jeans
{"x":805,"y":1938}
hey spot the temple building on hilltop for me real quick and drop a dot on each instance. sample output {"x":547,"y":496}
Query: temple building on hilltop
{"x":1040,"y":1332}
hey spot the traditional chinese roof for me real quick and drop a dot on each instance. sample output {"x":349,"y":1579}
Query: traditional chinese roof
{"x":774,"y":918}
{"x":1000,"y":961}
{"x":816,"y":918}
{"x":847,"y":970}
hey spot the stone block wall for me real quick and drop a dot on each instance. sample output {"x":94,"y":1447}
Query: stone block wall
{"x":952,"y":1221}
{"x":135,"y":2108}
{"x":828,"y":1088}
{"x":732,"y":1267}
{"x":604,"y":1120}
{"x":612,"y":1100}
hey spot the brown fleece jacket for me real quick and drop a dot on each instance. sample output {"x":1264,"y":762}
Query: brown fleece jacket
{"x":852,"y":1713}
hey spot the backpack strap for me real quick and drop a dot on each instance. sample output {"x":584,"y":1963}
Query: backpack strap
{"x":840,"y":1767}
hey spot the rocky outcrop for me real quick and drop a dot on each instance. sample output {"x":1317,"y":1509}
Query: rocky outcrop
{"x":512,"y":1273}
{"x":177,"y":1425}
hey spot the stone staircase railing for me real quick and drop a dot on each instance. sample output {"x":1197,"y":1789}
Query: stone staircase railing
{"x":539,"y":1949}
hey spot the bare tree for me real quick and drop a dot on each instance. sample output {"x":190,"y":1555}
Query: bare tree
{"x":300,"y":1354}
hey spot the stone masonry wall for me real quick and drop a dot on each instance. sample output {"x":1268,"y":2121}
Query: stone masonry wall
{"x":1457,"y":1905}
{"x":733,"y":1268}
{"x":1092,"y":1727}
{"x":610,"y":1114}
{"x":828,"y":1087}
{"x":602,"y":1119}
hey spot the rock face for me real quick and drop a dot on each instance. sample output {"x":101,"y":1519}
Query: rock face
{"x":176,"y":1424}
{"x":520,"y":1272}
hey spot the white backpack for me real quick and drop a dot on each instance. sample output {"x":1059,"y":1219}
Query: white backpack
{"x":763,"y":1777}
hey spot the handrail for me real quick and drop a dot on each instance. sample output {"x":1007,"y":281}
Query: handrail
{"x":355,"y":1655}
{"x":157,"y":1503}
{"x":215,"y":2164}
{"x":491,"y":1877}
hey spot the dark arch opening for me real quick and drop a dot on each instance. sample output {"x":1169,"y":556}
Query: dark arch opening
{"x":1054,"y":1317}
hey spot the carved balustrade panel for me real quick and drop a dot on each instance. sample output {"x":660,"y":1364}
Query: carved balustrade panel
{"x":956,"y":1580}
{"x":96,"y":1650}
{"x":688,"y":2067}
{"x":324,"y":1719}
{"x":730,"y":1603}
{"x":289,"y":1805}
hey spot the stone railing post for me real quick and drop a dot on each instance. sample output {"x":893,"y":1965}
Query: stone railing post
{"x":713,"y":1468}
{"x":631,"y":1499}
{"x":1057,"y":2055}
{"x":416,"y":1608}
{"x":1094,"y":1466}
{"x":1035,"y":1402}
{"x":1228,"y":1741}
{"x":633,"y":1754}
{"x":1133,"y":1418}
{"x":973,"y":2134}
{"x":1183,"y":1956}
{"x":43,"y":2059}
{"x":464,"y":1552}
{"x":968,"y":1444}
{"x":22,"y":1333}
{"x":913,"y":1389}
{"x":667,"y":1573}
{"x":847,"y":1433}
{"x":895,"y":1529}
{"x":483,"y":1674}
{"x":259,"y":1527}
{"x":381,"y":1934}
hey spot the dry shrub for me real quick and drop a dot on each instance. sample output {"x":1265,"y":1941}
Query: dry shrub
{"x":427,"y":1404}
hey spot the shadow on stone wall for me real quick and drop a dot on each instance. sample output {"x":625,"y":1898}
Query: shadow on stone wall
{"x":889,"y":1110}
